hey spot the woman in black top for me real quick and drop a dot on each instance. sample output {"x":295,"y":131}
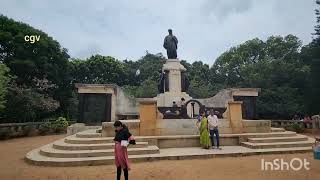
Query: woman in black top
{"x":122,"y":138}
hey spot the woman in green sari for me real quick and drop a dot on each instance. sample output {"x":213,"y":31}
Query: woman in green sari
{"x":204,"y":132}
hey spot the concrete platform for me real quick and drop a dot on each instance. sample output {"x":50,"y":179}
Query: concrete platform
{"x":34,"y":157}
{"x":307,"y":143}
{"x":88,"y":148}
{"x":51,"y":152}
{"x":66,"y":146}
{"x":278,"y":139}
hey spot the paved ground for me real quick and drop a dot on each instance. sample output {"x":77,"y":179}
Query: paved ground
{"x":12,"y":166}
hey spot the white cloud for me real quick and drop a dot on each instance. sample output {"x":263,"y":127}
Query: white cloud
{"x":126,"y":28}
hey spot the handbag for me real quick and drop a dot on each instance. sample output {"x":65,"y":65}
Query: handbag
{"x":124,"y":143}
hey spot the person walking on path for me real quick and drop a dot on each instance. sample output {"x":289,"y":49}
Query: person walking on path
{"x":213,"y":127}
{"x":204,"y":132}
{"x":122,"y":139}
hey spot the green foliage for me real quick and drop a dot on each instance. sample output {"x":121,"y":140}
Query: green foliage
{"x":27,"y":130}
{"x":4,"y":133}
{"x":149,"y":66}
{"x":275,"y":66}
{"x":99,"y":70}
{"x":60,"y":125}
{"x":4,"y":80}
{"x":45,"y":128}
{"x":42,"y":66}
{"x":43,"y":82}
{"x":41,"y":60}
{"x":26,"y":104}
{"x":147,"y":89}
{"x":295,"y":127}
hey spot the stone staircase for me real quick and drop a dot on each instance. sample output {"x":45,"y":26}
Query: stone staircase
{"x":84,"y":148}
{"x":89,"y":148}
{"x":286,"y":139}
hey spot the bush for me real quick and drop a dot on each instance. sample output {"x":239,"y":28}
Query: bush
{"x":60,"y":125}
{"x":295,"y":127}
{"x":45,"y":128}
{"x":27,"y":130}
{"x":4,"y":133}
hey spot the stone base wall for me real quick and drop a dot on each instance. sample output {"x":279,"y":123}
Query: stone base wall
{"x":167,"y":127}
{"x":133,"y":125}
{"x":78,"y":127}
{"x":256,"y":126}
{"x":180,"y":142}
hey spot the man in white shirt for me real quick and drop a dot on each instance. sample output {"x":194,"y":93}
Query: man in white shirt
{"x":213,"y":122}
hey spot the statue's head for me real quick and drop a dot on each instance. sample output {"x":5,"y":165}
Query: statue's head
{"x":170,"y":31}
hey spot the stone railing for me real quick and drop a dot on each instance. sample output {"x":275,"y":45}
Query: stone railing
{"x":284,"y":123}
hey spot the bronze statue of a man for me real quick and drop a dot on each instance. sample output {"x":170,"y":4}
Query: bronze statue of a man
{"x":171,"y":45}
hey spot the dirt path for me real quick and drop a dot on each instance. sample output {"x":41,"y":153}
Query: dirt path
{"x":12,"y":166}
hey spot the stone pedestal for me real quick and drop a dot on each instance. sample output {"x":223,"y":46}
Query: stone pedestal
{"x":148,"y":117}
{"x":235,"y":116}
{"x":174,"y":68}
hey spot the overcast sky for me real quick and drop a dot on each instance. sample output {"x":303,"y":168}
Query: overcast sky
{"x":125,"y":29}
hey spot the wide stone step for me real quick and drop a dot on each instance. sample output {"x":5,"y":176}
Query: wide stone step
{"x":76,"y":140}
{"x":271,"y":134}
{"x":34,"y":157}
{"x":66,"y":146}
{"x":51,"y":152}
{"x":88,"y":135}
{"x":307,"y":143}
{"x":101,"y":140}
{"x":278,"y":139}
{"x":277,"y":130}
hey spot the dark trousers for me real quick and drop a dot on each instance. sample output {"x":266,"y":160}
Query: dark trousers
{"x":212,"y":133}
{"x":125,"y":171}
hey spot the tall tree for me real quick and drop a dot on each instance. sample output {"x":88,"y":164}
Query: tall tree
{"x":41,"y":66}
{"x":4,"y":80}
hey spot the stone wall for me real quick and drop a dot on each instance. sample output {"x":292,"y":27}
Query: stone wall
{"x":126,"y":105}
{"x":78,"y":127}
{"x":133,"y":125}
{"x":167,"y":127}
{"x":256,"y":126}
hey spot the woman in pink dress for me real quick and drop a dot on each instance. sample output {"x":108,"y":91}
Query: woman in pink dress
{"x":122,"y":139}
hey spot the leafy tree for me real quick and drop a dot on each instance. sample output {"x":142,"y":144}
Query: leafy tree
{"x":273,"y":65}
{"x":98,"y":69}
{"x":26,"y":104}
{"x":4,"y":80}
{"x":147,"y":89}
{"x":310,"y":55}
{"x":35,"y":64}
{"x":148,"y":65}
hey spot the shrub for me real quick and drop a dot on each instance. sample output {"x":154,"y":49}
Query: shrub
{"x":45,"y":128}
{"x":4,"y":133}
{"x":60,"y":125}
{"x":295,"y":127}
{"x":27,"y":129}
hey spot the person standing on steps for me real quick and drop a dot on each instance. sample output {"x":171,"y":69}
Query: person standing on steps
{"x":122,"y":139}
{"x":204,"y":131}
{"x":213,"y":127}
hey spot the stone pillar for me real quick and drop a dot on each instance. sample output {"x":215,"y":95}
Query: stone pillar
{"x":148,"y":117}
{"x":235,"y":116}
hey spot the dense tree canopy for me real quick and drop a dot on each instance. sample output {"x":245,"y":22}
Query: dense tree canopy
{"x":4,"y":80}
{"x":37,"y":79}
